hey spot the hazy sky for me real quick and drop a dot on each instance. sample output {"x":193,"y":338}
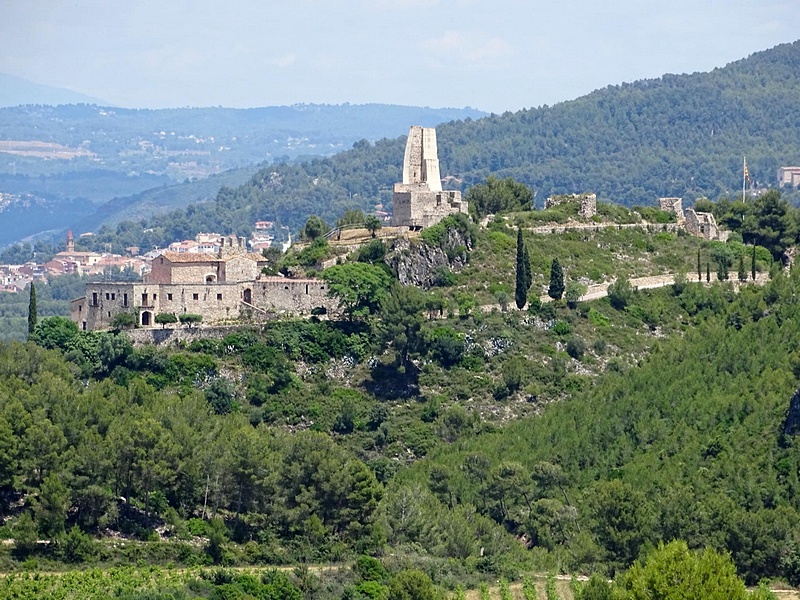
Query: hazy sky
{"x":495,"y":55}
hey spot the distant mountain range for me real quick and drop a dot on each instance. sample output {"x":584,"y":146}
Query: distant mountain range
{"x":16,"y":90}
{"x":678,"y":135}
{"x":72,"y":155}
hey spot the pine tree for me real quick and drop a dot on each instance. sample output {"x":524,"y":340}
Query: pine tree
{"x":556,"y":289}
{"x":753,"y":264}
{"x":32,"y":311}
{"x":523,"y":273}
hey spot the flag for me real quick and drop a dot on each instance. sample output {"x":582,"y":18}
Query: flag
{"x":746,"y":173}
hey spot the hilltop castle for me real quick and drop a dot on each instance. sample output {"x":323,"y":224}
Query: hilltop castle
{"x":226,"y":286}
{"x":419,"y":201}
{"x":219,"y":287}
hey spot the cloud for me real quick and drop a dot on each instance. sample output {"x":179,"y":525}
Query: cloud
{"x":471,"y":50}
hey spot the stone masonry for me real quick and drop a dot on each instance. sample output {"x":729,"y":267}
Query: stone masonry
{"x":588,"y":203}
{"x":673,"y":205}
{"x":703,"y":225}
{"x":419,"y":200}
{"x":221,"y":288}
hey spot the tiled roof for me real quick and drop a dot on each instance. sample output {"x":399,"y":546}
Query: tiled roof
{"x":188,"y":257}
{"x":192,"y":257}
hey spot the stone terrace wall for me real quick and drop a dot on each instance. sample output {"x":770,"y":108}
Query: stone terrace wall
{"x":178,"y":335}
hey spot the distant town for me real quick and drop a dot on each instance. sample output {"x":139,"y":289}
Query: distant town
{"x":15,"y":278}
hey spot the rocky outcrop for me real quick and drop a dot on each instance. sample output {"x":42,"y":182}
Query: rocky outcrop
{"x":419,"y":264}
{"x":792,"y":424}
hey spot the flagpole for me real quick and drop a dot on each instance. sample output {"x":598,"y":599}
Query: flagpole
{"x":744,"y":175}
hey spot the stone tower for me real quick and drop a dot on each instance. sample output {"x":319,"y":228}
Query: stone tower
{"x":70,"y":241}
{"x":419,"y":201}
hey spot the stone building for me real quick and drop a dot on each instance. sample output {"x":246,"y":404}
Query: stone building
{"x":789,"y":176}
{"x":588,"y":203}
{"x":703,"y":225}
{"x":672,"y":205}
{"x":221,"y":288}
{"x":419,"y":200}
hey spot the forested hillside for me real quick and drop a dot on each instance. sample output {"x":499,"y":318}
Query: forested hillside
{"x":680,"y":135}
{"x":451,"y":443}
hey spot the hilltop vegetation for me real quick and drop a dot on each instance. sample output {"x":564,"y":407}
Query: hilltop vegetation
{"x":424,"y":431}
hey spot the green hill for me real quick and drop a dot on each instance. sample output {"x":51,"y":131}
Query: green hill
{"x":679,"y":135}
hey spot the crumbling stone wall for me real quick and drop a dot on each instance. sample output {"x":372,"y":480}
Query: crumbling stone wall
{"x":672,"y":205}
{"x":703,"y":225}
{"x":588,"y":203}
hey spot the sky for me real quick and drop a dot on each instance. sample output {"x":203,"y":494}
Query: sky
{"x":494,"y":55}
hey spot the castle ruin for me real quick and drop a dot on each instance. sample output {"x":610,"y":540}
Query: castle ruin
{"x":673,"y":205}
{"x":700,"y":224}
{"x":419,"y":200}
{"x":588,"y":203}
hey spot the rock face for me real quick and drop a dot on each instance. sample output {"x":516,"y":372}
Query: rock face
{"x":792,"y":424}
{"x":416,"y":263}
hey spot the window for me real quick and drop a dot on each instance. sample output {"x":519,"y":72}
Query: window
{"x":195,"y":296}
{"x":155,"y":296}
{"x":80,"y":307}
{"x":109,"y":314}
{"x":108,"y":296}
{"x":94,"y":298}
{"x":169,"y":296}
{"x":124,"y":299}
{"x":219,"y":296}
{"x":113,"y":296}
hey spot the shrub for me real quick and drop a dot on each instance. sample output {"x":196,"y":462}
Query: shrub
{"x":598,"y":319}
{"x":576,"y":347}
{"x":561,"y":328}
{"x":620,"y":293}
{"x":190,"y":319}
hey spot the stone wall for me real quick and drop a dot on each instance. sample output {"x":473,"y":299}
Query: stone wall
{"x":418,"y":208}
{"x":292,"y":296}
{"x":216,"y":302}
{"x":419,"y":200}
{"x":703,"y":225}
{"x":672,"y":205}
{"x":240,"y":268}
{"x":178,"y":335}
{"x":588,"y":203}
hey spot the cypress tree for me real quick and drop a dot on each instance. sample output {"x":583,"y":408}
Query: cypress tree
{"x":708,"y":273}
{"x":753,"y":264}
{"x":32,"y":311}
{"x":699,"y":268}
{"x":742,"y":272}
{"x":556,"y":289}
{"x":528,"y":272}
{"x":523,"y":273}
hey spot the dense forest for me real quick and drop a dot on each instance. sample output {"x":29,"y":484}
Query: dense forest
{"x":442,"y":444}
{"x":680,"y":135}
